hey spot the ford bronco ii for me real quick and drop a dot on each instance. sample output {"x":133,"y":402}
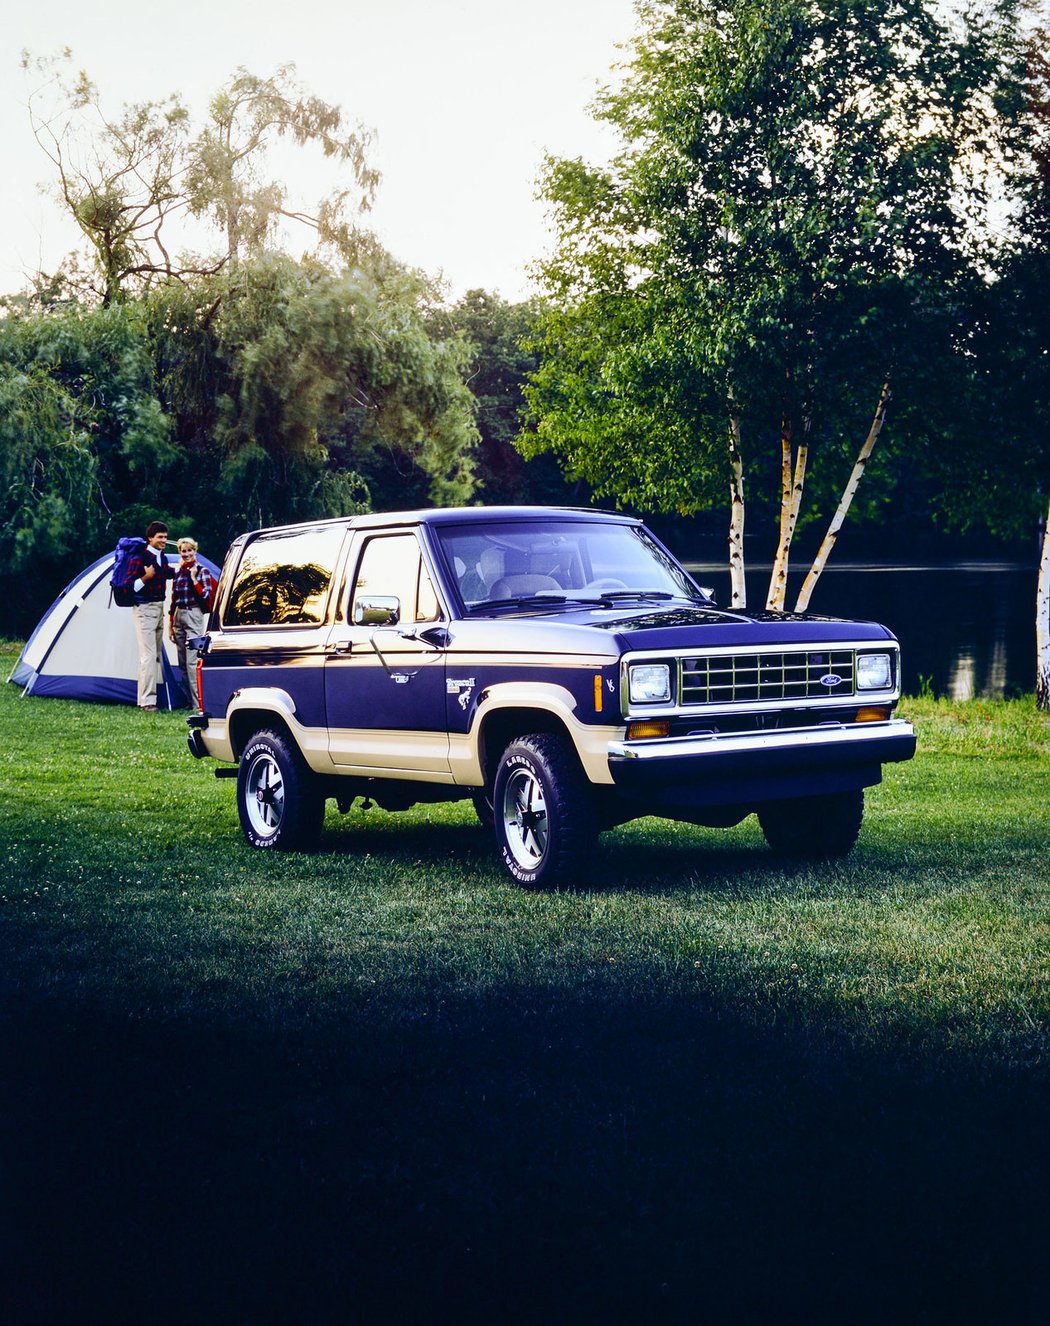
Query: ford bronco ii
{"x":558,"y":667}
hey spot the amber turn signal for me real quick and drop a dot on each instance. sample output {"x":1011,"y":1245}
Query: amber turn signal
{"x":873,"y":713}
{"x":650,"y":728}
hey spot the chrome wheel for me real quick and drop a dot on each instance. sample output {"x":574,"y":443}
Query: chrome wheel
{"x":544,"y":820}
{"x":525,"y":823}
{"x":264,"y":795}
{"x":280,"y":803}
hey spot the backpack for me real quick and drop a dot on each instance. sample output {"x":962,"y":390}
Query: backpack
{"x":127,"y":560}
{"x":207,"y":602}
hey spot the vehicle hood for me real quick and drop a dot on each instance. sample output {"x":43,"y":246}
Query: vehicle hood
{"x":683,"y":627}
{"x":613,"y":631}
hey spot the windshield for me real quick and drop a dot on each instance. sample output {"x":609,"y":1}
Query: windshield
{"x":561,"y":559}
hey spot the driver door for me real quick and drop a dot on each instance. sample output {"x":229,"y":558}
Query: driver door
{"x":385,"y":682}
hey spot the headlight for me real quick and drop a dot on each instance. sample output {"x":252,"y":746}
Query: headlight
{"x":874,"y":672}
{"x":649,"y":683}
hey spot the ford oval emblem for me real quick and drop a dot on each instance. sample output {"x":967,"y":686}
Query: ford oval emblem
{"x":830,"y":679}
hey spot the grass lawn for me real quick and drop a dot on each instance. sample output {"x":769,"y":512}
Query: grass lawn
{"x":380,"y":1084}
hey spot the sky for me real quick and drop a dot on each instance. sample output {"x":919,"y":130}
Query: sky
{"x":464,"y":98}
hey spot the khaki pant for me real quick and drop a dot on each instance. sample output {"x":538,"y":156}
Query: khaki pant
{"x":149,"y":629}
{"x":188,"y":624}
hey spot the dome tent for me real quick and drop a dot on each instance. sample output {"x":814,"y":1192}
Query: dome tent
{"x":84,"y":646}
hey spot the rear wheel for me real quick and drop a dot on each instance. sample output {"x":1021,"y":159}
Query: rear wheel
{"x":542,"y":804}
{"x":813,"y":827}
{"x":279,"y":803}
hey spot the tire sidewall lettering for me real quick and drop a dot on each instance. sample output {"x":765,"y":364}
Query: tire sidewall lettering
{"x":252,"y":751}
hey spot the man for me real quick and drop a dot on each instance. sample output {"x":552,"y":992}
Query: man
{"x":191,"y":593}
{"x":147,"y":582}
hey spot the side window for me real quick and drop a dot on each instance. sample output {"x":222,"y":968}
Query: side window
{"x":393,"y":565}
{"x":283,"y":578}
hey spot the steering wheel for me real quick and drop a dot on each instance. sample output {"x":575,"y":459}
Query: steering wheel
{"x":603,"y":583}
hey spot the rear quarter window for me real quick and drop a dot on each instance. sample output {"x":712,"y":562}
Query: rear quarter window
{"x":284,"y":578}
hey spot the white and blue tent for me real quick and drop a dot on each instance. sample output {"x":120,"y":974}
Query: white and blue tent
{"x":84,"y":646}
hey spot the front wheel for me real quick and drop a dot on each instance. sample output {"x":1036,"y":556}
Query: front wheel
{"x":813,"y":827}
{"x":278,"y":801}
{"x":544,"y":818}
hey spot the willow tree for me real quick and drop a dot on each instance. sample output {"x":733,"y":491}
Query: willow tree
{"x":296,"y":387}
{"x":781,"y":248}
{"x":230,"y":180}
{"x":151,"y":189}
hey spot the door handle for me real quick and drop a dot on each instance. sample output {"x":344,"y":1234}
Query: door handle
{"x":341,"y":647}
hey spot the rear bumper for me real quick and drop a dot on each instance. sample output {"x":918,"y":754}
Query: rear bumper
{"x":195,"y":739}
{"x":752,"y":766}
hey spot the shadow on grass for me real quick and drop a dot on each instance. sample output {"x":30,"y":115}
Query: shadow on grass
{"x":606,"y":1146}
{"x":469,"y":846}
{"x":523,"y":1154}
{"x":624,"y":860}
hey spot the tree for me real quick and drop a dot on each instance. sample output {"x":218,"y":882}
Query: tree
{"x":226,"y":179}
{"x":997,"y":473}
{"x":498,"y":368}
{"x":117,"y":177}
{"x":84,"y":443}
{"x":300,"y":391}
{"x":130,"y":181}
{"x":787,"y":241}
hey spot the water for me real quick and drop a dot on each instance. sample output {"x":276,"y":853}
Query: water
{"x":966,"y":628}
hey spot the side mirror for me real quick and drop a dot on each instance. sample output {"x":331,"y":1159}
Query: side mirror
{"x":379,"y":610}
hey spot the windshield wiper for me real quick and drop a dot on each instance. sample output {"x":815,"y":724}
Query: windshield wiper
{"x":614,"y":595}
{"x":522,"y":601}
{"x":544,"y":599}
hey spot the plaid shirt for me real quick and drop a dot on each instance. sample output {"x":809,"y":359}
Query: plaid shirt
{"x":190,"y":590}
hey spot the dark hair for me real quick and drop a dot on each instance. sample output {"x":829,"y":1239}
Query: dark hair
{"x":155,"y":527}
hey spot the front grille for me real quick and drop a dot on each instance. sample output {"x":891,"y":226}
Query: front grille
{"x":763,"y":678}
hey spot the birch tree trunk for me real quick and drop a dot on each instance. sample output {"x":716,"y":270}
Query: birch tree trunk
{"x":848,"y":493}
{"x":792,"y":485}
{"x":738,"y":586}
{"x":778,"y":579}
{"x":1042,"y":624}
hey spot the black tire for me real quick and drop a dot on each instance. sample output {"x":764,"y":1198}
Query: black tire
{"x":279,"y":802}
{"x":813,"y":828}
{"x":544,"y":819}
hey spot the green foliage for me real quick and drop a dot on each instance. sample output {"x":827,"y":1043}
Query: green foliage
{"x":797,"y":215}
{"x":322,"y":373}
{"x":500,"y":361}
{"x":269,"y":392}
{"x":119,"y":177}
{"x":996,"y":474}
{"x":129,"y":179}
{"x":82,"y":434}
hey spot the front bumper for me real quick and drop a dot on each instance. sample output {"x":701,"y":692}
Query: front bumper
{"x":755,"y":766}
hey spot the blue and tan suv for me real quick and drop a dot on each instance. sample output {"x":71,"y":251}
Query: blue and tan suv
{"x":558,"y":667}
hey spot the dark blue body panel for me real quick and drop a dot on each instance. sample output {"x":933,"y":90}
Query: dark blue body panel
{"x":406,"y":696}
{"x":681,"y":628}
{"x":297,"y":670}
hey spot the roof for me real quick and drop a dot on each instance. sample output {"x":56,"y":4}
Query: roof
{"x":461,"y":515}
